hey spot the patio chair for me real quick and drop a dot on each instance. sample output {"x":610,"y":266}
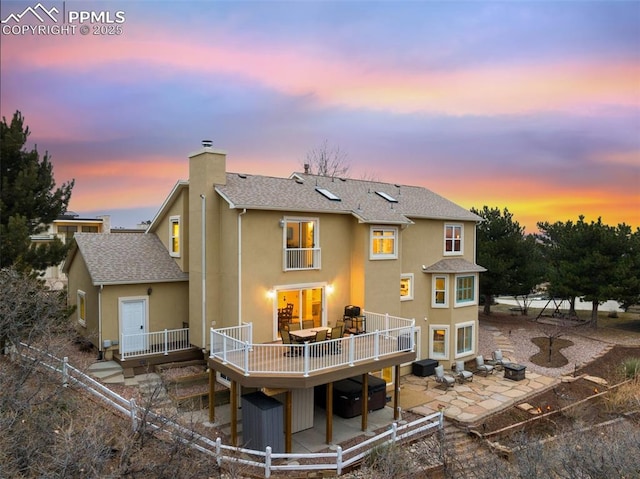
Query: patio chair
{"x":286,"y":339}
{"x":498,"y":359}
{"x":307,"y":323}
{"x":461,"y":374}
{"x":335,"y":333}
{"x":482,"y":367}
{"x":443,"y":378}
{"x":295,"y":326}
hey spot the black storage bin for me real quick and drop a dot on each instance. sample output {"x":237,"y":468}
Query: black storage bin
{"x":347,"y":400}
{"x":377,"y":391}
{"x":352,"y":310}
{"x":424,"y":367}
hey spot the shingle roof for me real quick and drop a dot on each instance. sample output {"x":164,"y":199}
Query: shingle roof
{"x":454,"y":265}
{"x":121,"y":258}
{"x":357,"y":197}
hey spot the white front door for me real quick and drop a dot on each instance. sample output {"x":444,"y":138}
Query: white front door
{"x":133,"y":324}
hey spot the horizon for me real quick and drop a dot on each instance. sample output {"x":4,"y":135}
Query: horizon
{"x":532,"y":106}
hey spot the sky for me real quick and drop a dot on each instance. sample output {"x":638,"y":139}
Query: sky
{"x":529,"y":105}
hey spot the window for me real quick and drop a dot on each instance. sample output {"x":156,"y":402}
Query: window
{"x":68,"y":231}
{"x":465,"y":290}
{"x":174,"y":236}
{"x":383,"y":243}
{"x":89,"y":229}
{"x":301,"y":244}
{"x":438,"y":342}
{"x":406,"y":287}
{"x":82,"y":308}
{"x":440,"y":296}
{"x":452,"y":239}
{"x":464,"y":339}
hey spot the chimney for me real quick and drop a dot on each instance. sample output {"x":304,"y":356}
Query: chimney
{"x":207,"y":167}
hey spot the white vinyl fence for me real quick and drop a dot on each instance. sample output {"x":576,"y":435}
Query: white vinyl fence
{"x":265,"y":460}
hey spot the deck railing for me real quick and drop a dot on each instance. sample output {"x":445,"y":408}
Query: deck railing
{"x":157,"y":342}
{"x":301,"y":258}
{"x":305,"y":359}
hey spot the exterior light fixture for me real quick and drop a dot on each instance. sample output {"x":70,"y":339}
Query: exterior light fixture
{"x":281,"y":223}
{"x":271,"y":294}
{"x":329,"y":288}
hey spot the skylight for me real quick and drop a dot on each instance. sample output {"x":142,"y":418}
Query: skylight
{"x":327,"y":194}
{"x":387,"y":197}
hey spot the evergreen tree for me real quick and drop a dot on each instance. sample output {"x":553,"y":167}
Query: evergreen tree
{"x":592,"y":261}
{"x":512,"y":259}
{"x":29,"y":200}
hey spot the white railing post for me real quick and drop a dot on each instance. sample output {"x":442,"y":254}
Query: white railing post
{"x":338,"y":460}
{"x":247,"y":348}
{"x":376,"y":345}
{"x":211,"y":333}
{"x":394,"y":431}
{"x":352,"y":349}
{"x":134,"y":414}
{"x":386,"y":321}
{"x":65,"y":372}
{"x":122,"y":347}
{"x":306,"y":359}
{"x":166,"y":342}
{"x":224,"y":349}
{"x":267,"y":462}
{"x":219,"y":451}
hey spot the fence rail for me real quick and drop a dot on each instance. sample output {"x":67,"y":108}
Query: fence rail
{"x":157,"y":342}
{"x":263,"y":460}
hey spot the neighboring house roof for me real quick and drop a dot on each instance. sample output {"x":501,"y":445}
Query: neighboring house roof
{"x":369,"y":201}
{"x":453,"y":265}
{"x":125,"y":259}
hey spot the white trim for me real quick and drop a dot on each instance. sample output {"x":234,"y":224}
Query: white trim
{"x":447,"y":340}
{"x":382,"y":256}
{"x":409,"y":295}
{"x":446,"y":291}
{"x":83,"y":295}
{"x":175,"y":219}
{"x":167,"y":201}
{"x":460,"y":326}
{"x":454,"y":252}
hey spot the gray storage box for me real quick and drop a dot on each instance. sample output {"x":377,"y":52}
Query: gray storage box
{"x":262,"y":422}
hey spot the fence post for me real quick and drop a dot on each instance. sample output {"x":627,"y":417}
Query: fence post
{"x":166,"y":342}
{"x":338,"y":460}
{"x":65,"y":372}
{"x":394,"y":431}
{"x":134,"y":414}
{"x":123,"y":347}
{"x":219,"y":451}
{"x":267,"y":462}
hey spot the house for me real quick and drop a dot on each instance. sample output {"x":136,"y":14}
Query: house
{"x":63,"y":228}
{"x":259,"y":245}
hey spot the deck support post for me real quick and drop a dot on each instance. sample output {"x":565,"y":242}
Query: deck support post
{"x":212,"y":391}
{"x":396,"y":393}
{"x":365,"y":400}
{"x":329,"y":412}
{"x":234,"y":413}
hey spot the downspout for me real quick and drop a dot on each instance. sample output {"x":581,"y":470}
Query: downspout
{"x":204,"y":273}
{"x":240,"y":266}
{"x":101,"y":344}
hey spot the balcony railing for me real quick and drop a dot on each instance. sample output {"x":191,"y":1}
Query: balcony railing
{"x":387,"y":335}
{"x":301,"y":258}
{"x":158,"y":342}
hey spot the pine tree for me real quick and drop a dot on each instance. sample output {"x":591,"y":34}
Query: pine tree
{"x":29,"y":200}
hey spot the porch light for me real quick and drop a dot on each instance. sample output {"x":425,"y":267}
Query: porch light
{"x":329,"y":288}
{"x":281,"y":223}
{"x":271,"y":294}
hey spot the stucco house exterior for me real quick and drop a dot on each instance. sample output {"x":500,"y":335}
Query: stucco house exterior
{"x":256,"y":244}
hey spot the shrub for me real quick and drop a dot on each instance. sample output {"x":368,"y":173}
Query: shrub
{"x":631,"y":367}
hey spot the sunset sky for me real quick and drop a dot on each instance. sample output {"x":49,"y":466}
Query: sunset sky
{"x":530,"y":105}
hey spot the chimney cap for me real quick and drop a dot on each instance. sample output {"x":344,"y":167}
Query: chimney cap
{"x":207,"y":143}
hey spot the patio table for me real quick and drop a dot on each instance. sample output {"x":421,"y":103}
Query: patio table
{"x":309,"y":334}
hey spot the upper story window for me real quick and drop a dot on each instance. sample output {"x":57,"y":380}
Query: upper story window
{"x":384,"y":243}
{"x":301,"y":244}
{"x":453,"y":239}
{"x":90,"y":229}
{"x":82,"y":308}
{"x":174,"y":236}
{"x":440,"y":298}
{"x":68,"y":231}
{"x":406,"y":287}
{"x":465,"y":290}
